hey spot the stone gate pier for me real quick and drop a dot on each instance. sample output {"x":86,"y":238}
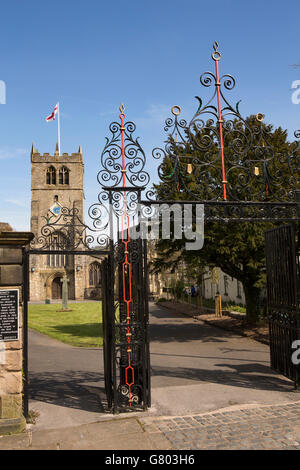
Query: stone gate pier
{"x":12,"y":248}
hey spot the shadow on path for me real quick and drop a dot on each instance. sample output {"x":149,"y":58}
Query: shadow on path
{"x":255,"y":376}
{"x":73,"y":389}
{"x":93,"y":330}
{"x":206,"y":357}
{"x":167,"y":326}
{"x":185,"y":332}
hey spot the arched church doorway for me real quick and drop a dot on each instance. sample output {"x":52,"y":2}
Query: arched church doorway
{"x":57,"y":288}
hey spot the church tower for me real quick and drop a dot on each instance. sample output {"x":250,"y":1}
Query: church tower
{"x":56,"y":181}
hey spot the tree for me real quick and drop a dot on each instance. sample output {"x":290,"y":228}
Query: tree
{"x":266,"y":170}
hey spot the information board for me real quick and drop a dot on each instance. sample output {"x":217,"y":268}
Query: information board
{"x":9,"y":315}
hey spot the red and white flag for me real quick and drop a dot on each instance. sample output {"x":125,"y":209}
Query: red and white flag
{"x":51,"y":117}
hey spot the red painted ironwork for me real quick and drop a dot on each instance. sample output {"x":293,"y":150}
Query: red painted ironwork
{"x":216,"y":57}
{"x":126,"y":269}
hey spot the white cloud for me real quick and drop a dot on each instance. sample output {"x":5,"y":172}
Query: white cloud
{"x":16,"y":202}
{"x":9,"y":153}
{"x":154,"y":114}
{"x":19,"y":221}
{"x":158,"y":112}
{"x":108,"y":113}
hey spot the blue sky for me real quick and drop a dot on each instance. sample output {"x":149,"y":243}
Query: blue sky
{"x":92,"y":55}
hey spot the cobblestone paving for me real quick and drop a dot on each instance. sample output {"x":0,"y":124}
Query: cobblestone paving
{"x":268,"y":427}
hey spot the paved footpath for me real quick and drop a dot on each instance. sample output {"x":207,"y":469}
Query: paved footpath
{"x":259,"y":428}
{"x":269,"y":427}
{"x":211,"y":389}
{"x":198,"y":368}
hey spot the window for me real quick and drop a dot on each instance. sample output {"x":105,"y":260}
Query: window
{"x":58,"y":241}
{"x":225,"y":285}
{"x":239,"y":290}
{"x":63,"y":176}
{"x":51,"y":175}
{"x":95,"y":274}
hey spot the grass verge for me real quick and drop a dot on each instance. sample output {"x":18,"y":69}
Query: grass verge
{"x":80,"y":326}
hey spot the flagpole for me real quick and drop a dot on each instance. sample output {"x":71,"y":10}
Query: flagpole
{"x":58,"y":127}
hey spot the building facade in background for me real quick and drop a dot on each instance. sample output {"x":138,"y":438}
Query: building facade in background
{"x":56,"y":182}
{"x":213,"y":282}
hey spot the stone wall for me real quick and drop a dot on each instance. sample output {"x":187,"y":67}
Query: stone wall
{"x":11,"y":352}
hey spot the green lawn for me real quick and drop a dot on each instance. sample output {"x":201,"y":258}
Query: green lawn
{"x":82,"y":326}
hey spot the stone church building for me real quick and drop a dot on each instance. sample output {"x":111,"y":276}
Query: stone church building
{"x":56,"y":182}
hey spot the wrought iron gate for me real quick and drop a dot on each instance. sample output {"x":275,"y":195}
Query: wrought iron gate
{"x":243,"y":185}
{"x":131,"y":337}
{"x":107,"y":317}
{"x":124,"y":265}
{"x":282,"y":263}
{"x":125,"y":326}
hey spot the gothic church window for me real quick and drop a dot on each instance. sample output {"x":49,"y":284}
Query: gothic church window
{"x":63,"y":176}
{"x":95,"y":274}
{"x":57,"y":241}
{"x":225,"y":285}
{"x":51,"y":175}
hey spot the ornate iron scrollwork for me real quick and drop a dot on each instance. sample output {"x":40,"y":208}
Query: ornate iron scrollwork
{"x":220,"y":155}
{"x":219,"y":159}
{"x":122,"y":146}
{"x":69,"y":232}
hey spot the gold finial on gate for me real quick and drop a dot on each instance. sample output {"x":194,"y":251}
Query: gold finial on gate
{"x":260,"y":117}
{"x":122,"y":108}
{"x":176,"y":110}
{"x":216,"y":55}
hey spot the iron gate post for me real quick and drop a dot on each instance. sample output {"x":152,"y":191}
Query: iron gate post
{"x":297,"y":245}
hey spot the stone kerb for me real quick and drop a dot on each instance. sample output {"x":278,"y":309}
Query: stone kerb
{"x":11,"y":353}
